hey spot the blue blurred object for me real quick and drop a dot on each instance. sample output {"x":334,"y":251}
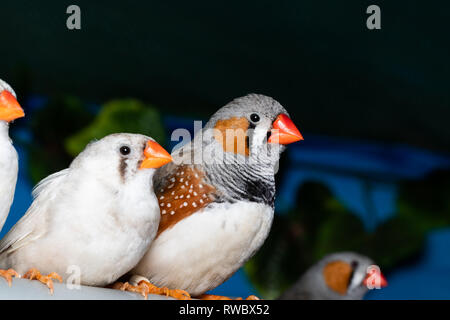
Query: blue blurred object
{"x":428,"y":279}
{"x":362,"y":175}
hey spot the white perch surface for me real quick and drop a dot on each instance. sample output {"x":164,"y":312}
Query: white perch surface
{"x":24,"y":289}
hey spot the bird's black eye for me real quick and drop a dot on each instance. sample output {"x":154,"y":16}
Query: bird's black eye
{"x":125,"y":150}
{"x":254,"y":117}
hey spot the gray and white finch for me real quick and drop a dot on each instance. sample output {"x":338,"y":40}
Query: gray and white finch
{"x":338,"y":276}
{"x":97,"y":216}
{"x":9,"y":111}
{"x":217,"y":197}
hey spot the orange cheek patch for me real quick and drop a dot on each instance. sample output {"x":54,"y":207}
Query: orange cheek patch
{"x":337,"y":275}
{"x":231,"y":134}
{"x":184,"y":193}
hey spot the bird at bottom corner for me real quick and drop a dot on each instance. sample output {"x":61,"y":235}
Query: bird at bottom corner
{"x":338,"y":276}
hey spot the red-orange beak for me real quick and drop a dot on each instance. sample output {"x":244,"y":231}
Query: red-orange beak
{"x":155,"y":156}
{"x":284,"y":131}
{"x":382,"y":280}
{"x":10,"y":109}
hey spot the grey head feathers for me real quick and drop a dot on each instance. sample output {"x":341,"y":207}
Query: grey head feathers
{"x":313,"y":284}
{"x":238,"y":173}
{"x":244,"y":106}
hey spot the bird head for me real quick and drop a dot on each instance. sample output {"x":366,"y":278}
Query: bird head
{"x":122,"y":155}
{"x":345,"y":275}
{"x":10,"y":109}
{"x":253,"y":126}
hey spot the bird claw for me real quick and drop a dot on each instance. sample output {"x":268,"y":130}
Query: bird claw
{"x":252,"y":297}
{"x":8,"y":274}
{"x":145,"y":288}
{"x":128,"y":287}
{"x":47,"y":280}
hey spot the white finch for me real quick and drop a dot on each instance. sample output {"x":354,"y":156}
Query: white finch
{"x":94,"y":219}
{"x":338,"y":276}
{"x":9,"y":111}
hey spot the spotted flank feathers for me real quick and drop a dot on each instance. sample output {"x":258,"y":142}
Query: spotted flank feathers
{"x":184,"y":194}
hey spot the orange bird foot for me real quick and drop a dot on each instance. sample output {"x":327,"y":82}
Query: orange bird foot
{"x":47,"y":280}
{"x":145,"y":288}
{"x":214,"y":297}
{"x":8,"y":274}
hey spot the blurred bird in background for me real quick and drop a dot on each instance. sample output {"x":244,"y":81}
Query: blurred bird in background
{"x":9,"y":111}
{"x":338,"y":276}
{"x":215,"y":214}
{"x":99,"y":215}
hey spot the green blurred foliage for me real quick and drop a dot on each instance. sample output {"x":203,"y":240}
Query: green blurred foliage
{"x":64,"y":126}
{"x":320,"y":225}
{"x":127,"y":115}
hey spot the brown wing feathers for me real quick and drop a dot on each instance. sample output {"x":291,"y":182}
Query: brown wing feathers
{"x":185,"y":193}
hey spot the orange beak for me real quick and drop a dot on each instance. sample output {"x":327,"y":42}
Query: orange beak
{"x":284,"y":131}
{"x":10,"y":109}
{"x":155,"y":156}
{"x":383,"y":281}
